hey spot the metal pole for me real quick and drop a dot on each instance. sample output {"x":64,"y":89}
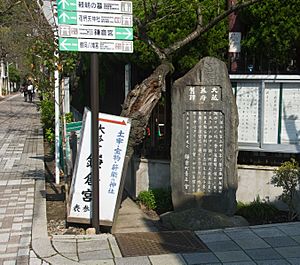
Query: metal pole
{"x":95,"y":137}
{"x":57,"y":125}
{"x":8,"y":82}
{"x":1,"y":76}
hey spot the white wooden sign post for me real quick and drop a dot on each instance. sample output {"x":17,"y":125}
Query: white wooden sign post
{"x":113,"y":138}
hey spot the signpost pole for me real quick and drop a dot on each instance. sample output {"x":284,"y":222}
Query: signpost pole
{"x":102,"y":27}
{"x":95,"y":142}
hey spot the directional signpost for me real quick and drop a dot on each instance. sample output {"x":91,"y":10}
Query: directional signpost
{"x":95,"y":26}
{"x":95,"y":32}
{"x":89,"y":18}
{"x":103,"y":6}
{"x":92,"y":45}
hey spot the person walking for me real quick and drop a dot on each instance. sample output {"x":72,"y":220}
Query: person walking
{"x":30,"y":91}
{"x":24,"y":91}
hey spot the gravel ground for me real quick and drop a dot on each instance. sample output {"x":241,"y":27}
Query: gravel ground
{"x":56,"y":205}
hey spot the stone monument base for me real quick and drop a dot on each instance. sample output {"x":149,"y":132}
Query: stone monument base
{"x":200,"y":219}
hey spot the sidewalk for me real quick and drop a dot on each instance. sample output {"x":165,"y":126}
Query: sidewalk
{"x":21,"y":162}
{"x":23,"y":223}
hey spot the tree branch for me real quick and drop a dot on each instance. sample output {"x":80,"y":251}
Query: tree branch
{"x":202,"y":29}
{"x":2,"y":12}
{"x":144,"y":37}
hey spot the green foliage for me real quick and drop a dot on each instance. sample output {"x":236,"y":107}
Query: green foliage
{"x":163,"y":200}
{"x":69,"y":117}
{"x":20,"y":23}
{"x":147,"y":199}
{"x":159,"y":200}
{"x":272,"y":24}
{"x":14,"y":74}
{"x":167,"y":22}
{"x":49,"y":135}
{"x":47,"y":113}
{"x":257,"y":212}
{"x":287,"y":176}
{"x":50,"y":138}
{"x":41,"y":55}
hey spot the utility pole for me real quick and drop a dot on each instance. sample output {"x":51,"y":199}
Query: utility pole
{"x":2,"y":70}
{"x":8,"y":82}
{"x":234,"y":38}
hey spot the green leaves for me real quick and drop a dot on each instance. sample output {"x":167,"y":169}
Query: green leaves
{"x":159,"y":200}
{"x":287,"y":176}
{"x":272,"y":29}
{"x":167,"y":22}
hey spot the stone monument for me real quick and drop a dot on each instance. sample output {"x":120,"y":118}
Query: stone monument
{"x":204,"y":139}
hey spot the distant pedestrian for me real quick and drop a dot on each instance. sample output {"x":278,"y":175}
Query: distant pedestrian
{"x":30,"y":91}
{"x":24,"y":91}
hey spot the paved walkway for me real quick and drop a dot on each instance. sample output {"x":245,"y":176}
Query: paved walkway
{"x":21,"y":162}
{"x":23,"y":224}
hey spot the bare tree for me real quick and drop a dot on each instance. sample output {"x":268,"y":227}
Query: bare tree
{"x":21,"y":22}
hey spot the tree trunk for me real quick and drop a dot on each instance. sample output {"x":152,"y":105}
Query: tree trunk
{"x":140,"y":102}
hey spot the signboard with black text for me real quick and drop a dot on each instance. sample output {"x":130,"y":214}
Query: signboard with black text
{"x":113,"y":138}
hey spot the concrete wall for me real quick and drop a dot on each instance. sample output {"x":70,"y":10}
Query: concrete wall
{"x":145,"y":174}
{"x":253,"y":181}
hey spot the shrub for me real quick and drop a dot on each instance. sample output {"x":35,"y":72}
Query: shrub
{"x":156,"y":199}
{"x":47,"y":113}
{"x":287,"y":176}
{"x":69,"y":117}
{"x":163,"y":199}
{"x":50,"y":137}
{"x":257,"y":212}
{"x":147,"y":198}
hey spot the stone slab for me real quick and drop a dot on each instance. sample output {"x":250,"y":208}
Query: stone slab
{"x":232,"y":256}
{"x":196,"y":258}
{"x":133,"y":261}
{"x":204,"y":146}
{"x":170,"y":259}
{"x":263,"y":254}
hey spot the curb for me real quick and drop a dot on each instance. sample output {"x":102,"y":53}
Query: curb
{"x":41,"y":244}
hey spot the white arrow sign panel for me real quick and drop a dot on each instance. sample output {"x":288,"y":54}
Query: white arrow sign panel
{"x":94,"y":32}
{"x":94,"y":45}
{"x":96,"y":19}
{"x":103,"y":6}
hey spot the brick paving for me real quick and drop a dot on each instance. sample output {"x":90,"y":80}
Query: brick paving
{"x":21,"y":162}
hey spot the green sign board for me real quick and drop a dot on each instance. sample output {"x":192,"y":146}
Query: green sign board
{"x":103,"y":6}
{"x":67,"y":5}
{"x":94,"y":32}
{"x":95,"y":26}
{"x":72,"y":127}
{"x":67,"y":17}
{"x":124,"y":33}
{"x":94,"y":45}
{"x":69,"y":44}
{"x":97,"y":19}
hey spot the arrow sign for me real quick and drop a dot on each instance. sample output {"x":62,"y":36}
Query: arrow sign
{"x":67,"y":4}
{"x":103,"y":6}
{"x":124,"y":33}
{"x":65,"y":17}
{"x":68,"y":44}
{"x":112,"y":121}
{"x":93,"y":45}
{"x":96,"y":19}
{"x":94,"y":32}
